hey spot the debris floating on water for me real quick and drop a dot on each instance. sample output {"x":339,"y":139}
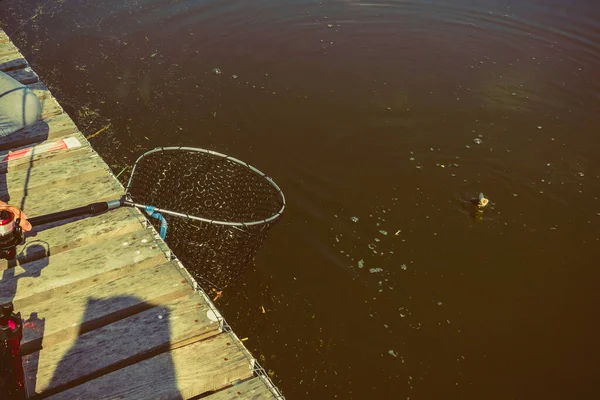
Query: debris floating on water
{"x":218,"y":296}
{"x":119,"y":174}
{"x":393,"y":353}
{"x":375,"y":270}
{"x":217,"y":71}
{"x":354,"y":219}
{"x":477,"y":141}
{"x":361,"y":263}
{"x":98,"y":132}
{"x":403,"y":267}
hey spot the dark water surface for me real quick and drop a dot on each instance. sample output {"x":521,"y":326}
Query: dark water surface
{"x":369,"y":109}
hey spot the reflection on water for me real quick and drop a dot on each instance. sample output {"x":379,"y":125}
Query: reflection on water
{"x":378,"y":119}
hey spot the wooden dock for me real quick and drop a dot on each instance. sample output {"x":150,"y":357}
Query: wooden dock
{"x":108,"y":312}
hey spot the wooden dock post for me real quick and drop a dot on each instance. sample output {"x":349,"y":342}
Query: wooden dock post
{"x":108,"y":313}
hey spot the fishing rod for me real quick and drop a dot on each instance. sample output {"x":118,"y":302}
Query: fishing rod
{"x":11,"y":231}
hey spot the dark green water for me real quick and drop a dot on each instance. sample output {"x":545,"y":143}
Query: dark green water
{"x":369,"y":109}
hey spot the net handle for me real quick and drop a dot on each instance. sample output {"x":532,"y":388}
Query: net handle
{"x":212,"y":153}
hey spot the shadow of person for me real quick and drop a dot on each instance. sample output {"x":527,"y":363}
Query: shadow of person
{"x":100,"y":354}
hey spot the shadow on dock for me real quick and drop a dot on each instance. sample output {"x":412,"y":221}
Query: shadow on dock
{"x":114,"y":332}
{"x":101,"y":349}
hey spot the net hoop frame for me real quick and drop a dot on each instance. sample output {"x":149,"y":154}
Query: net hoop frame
{"x":226,"y":157}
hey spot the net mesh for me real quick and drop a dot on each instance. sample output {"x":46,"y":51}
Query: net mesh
{"x":229,"y":206}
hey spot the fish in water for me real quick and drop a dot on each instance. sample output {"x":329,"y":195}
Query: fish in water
{"x":481,"y":201}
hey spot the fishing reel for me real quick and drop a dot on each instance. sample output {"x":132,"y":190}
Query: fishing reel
{"x":11,"y":235}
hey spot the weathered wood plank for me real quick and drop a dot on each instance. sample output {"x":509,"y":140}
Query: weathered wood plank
{"x":59,"y":198}
{"x":48,"y":129}
{"x":42,"y":279}
{"x":252,"y":389}
{"x":58,"y":173}
{"x":66,"y":317}
{"x":7,"y":48}
{"x":66,"y":235}
{"x":40,"y":90}
{"x":38,"y":157}
{"x":169,"y":326}
{"x":50,"y":107}
{"x":3,"y":37}
{"x":182,"y":373}
{"x":23,"y":75}
{"x":9,"y":62}
{"x":44,"y":147}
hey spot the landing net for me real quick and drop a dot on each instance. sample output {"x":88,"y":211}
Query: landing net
{"x":218,"y":209}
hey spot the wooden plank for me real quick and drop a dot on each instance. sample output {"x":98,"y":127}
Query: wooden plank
{"x":7,"y":48}
{"x":104,"y":188}
{"x":39,"y":157}
{"x":57,"y":275}
{"x":252,"y":389}
{"x":58,"y":237}
{"x":23,"y":75}
{"x":12,"y":61}
{"x":3,"y":37}
{"x":40,"y":90}
{"x":48,"y":129}
{"x":46,"y":147}
{"x":66,"y":317}
{"x":59,"y":198}
{"x":170,"y":326}
{"x":50,"y":107}
{"x":57,"y":173}
{"x":182,"y":373}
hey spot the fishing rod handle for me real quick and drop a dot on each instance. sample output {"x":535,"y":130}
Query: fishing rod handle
{"x":94,"y":208}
